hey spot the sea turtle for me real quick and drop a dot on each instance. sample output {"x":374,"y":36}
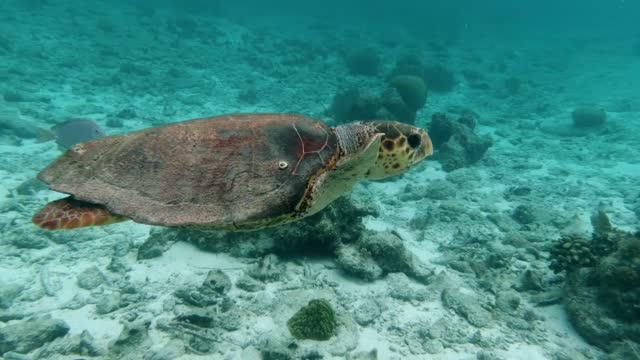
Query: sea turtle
{"x":233,"y":172}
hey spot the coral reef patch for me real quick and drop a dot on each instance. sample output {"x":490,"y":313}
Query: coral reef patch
{"x":602,"y":284}
{"x":455,"y":142}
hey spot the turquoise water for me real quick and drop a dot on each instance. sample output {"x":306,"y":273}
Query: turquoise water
{"x":516,"y":239}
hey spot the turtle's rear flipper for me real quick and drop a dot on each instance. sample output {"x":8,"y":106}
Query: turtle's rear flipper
{"x":69,"y":213}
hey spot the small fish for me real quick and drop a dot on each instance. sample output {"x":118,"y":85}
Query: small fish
{"x":73,"y":131}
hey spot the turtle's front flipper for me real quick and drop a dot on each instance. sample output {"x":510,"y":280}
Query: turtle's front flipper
{"x":69,"y":213}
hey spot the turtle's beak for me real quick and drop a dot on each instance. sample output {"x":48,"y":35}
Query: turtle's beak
{"x":423,"y":148}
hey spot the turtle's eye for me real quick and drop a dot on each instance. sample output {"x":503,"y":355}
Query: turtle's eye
{"x":414,"y":141}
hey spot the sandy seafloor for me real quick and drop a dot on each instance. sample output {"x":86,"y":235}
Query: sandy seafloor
{"x":70,"y":65}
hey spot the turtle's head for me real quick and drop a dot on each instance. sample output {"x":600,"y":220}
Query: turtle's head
{"x":401,"y":147}
{"x":383,"y":148}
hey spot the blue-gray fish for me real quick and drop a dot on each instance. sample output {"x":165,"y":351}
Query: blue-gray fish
{"x":74,"y":131}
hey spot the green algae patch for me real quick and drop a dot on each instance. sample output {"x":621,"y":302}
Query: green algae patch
{"x":315,"y":321}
